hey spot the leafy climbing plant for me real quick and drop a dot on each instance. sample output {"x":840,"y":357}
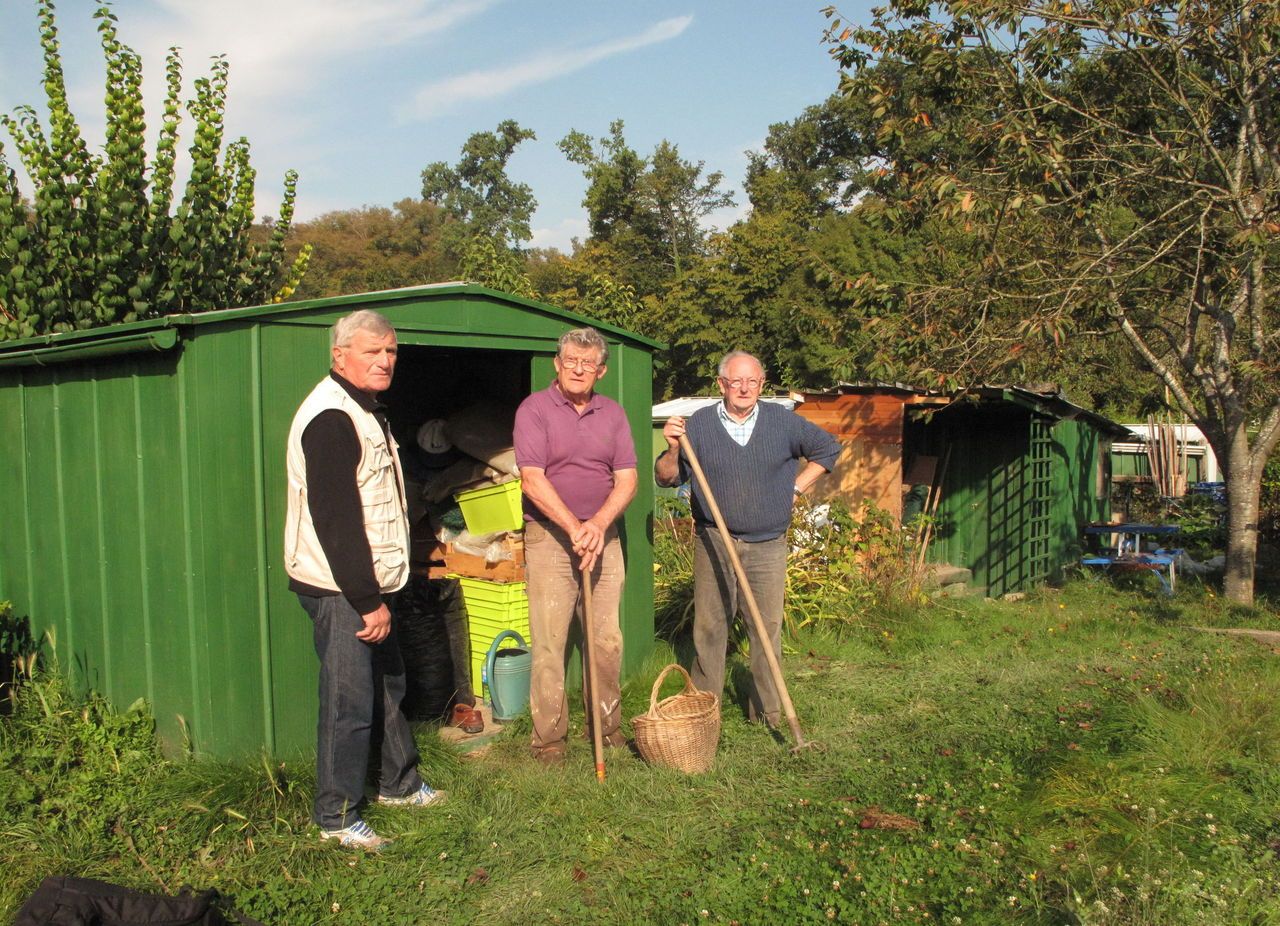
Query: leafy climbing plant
{"x":105,"y":239}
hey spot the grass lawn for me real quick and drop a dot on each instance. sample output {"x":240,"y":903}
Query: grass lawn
{"x":1082,"y":756}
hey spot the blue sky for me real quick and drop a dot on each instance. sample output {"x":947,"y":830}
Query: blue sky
{"x":360,"y":95}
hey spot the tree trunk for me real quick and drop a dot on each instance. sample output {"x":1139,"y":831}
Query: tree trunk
{"x":1244,"y":486}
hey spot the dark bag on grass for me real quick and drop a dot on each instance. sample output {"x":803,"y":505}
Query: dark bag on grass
{"x":67,"y":901}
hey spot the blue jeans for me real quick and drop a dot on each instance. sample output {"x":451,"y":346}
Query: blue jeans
{"x":360,"y":683}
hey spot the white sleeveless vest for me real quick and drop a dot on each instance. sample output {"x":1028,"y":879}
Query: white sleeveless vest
{"x":378,"y":476}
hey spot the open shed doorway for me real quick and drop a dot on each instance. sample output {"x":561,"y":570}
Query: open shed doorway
{"x":434,"y":382}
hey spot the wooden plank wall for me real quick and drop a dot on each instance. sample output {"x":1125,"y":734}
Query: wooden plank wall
{"x":869,"y":428}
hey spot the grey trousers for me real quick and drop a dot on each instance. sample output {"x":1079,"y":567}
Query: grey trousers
{"x":717,"y":600}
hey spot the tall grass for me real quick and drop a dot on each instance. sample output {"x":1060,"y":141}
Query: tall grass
{"x":1071,"y":758}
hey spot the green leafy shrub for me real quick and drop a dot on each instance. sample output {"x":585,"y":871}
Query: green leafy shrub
{"x":15,"y":633}
{"x":17,"y":651}
{"x":673,"y":570}
{"x":843,"y":570}
{"x":1203,"y":526}
{"x":847,"y":569}
{"x":1269,"y":515}
{"x":71,"y":770}
{"x":109,"y":237}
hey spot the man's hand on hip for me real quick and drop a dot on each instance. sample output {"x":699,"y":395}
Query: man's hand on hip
{"x":377,"y":625}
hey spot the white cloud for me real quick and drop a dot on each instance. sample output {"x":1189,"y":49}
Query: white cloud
{"x":443,"y":95}
{"x":561,"y":234}
{"x":277,"y":50}
{"x":275,"y":46}
{"x":721,"y":219}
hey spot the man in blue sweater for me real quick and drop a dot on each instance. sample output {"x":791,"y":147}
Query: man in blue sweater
{"x":751,"y":453}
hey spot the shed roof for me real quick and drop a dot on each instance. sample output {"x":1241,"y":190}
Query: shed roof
{"x":689,"y":404}
{"x":163,"y":333}
{"x":1050,"y":403}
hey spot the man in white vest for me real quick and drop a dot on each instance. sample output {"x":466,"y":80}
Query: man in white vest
{"x":346,"y":547}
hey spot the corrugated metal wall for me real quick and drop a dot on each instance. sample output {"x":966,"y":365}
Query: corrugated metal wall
{"x":98,"y":546}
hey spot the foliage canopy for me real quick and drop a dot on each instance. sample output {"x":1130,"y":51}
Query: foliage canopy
{"x":102,"y":241}
{"x":1101,"y":169}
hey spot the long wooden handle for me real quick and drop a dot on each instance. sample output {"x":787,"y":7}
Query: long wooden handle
{"x":753,"y":609}
{"x":593,"y":688}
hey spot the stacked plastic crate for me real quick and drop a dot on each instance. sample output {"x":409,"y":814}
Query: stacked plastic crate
{"x":496,"y":601}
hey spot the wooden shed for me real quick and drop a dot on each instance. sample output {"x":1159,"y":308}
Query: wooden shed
{"x":1016,"y":472}
{"x":142,"y":493}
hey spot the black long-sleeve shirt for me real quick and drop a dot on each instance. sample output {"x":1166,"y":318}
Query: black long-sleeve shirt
{"x":331,"y":449}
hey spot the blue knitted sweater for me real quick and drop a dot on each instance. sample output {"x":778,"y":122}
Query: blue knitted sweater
{"x":753,"y":485}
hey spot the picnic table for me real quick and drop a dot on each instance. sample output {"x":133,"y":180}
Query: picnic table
{"x":1124,"y":549}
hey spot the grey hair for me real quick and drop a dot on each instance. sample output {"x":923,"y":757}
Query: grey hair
{"x":734,"y":355}
{"x":584,"y":337}
{"x":345,"y":328}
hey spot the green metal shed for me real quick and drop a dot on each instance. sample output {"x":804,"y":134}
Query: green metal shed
{"x":1025,"y":472}
{"x":143,"y":491}
{"x":1015,"y":472}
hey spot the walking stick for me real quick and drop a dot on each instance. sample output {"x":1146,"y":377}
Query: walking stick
{"x":588,"y":657}
{"x":753,"y":609}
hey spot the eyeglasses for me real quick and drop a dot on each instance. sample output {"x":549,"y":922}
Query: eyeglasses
{"x":586,"y":366}
{"x":738,"y":383}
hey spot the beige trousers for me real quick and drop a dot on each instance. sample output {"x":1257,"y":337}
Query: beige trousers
{"x":555,"y":599}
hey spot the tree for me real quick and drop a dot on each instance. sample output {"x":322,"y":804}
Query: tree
{"x":645,"y":214}
{"x":488,"y":263}
{"x":478,"y":195}
{"x":1112,"y":168}
{"x":613,"y":175}
{"x":813,"y":164}
{"x":676,"y":193}
{"x":101,"y":242}
{"x":372,"y":248}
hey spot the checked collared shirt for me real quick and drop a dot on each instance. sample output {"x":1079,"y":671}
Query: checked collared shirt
{"x":740,"y":431}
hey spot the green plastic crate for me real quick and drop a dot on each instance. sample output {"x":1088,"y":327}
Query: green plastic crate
{"x":492,"y":508}
{"x":492,"y":607}
{"x":482,"y":591}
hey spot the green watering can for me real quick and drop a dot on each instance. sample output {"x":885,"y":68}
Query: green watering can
{"x":507,"y":672}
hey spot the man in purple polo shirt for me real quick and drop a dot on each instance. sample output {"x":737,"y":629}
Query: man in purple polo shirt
{"x":578,"y":469}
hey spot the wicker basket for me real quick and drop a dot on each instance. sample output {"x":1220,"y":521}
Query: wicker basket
{"x":681,"y":731}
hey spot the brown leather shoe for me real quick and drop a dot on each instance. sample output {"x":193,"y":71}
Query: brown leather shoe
{"x":467,"y":719}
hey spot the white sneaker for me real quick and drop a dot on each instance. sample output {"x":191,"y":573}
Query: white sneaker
{"x":358,"y":835}
{"x":425,"y":796}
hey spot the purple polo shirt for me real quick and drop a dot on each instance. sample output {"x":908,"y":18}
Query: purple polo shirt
{"x":579,"y":453}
